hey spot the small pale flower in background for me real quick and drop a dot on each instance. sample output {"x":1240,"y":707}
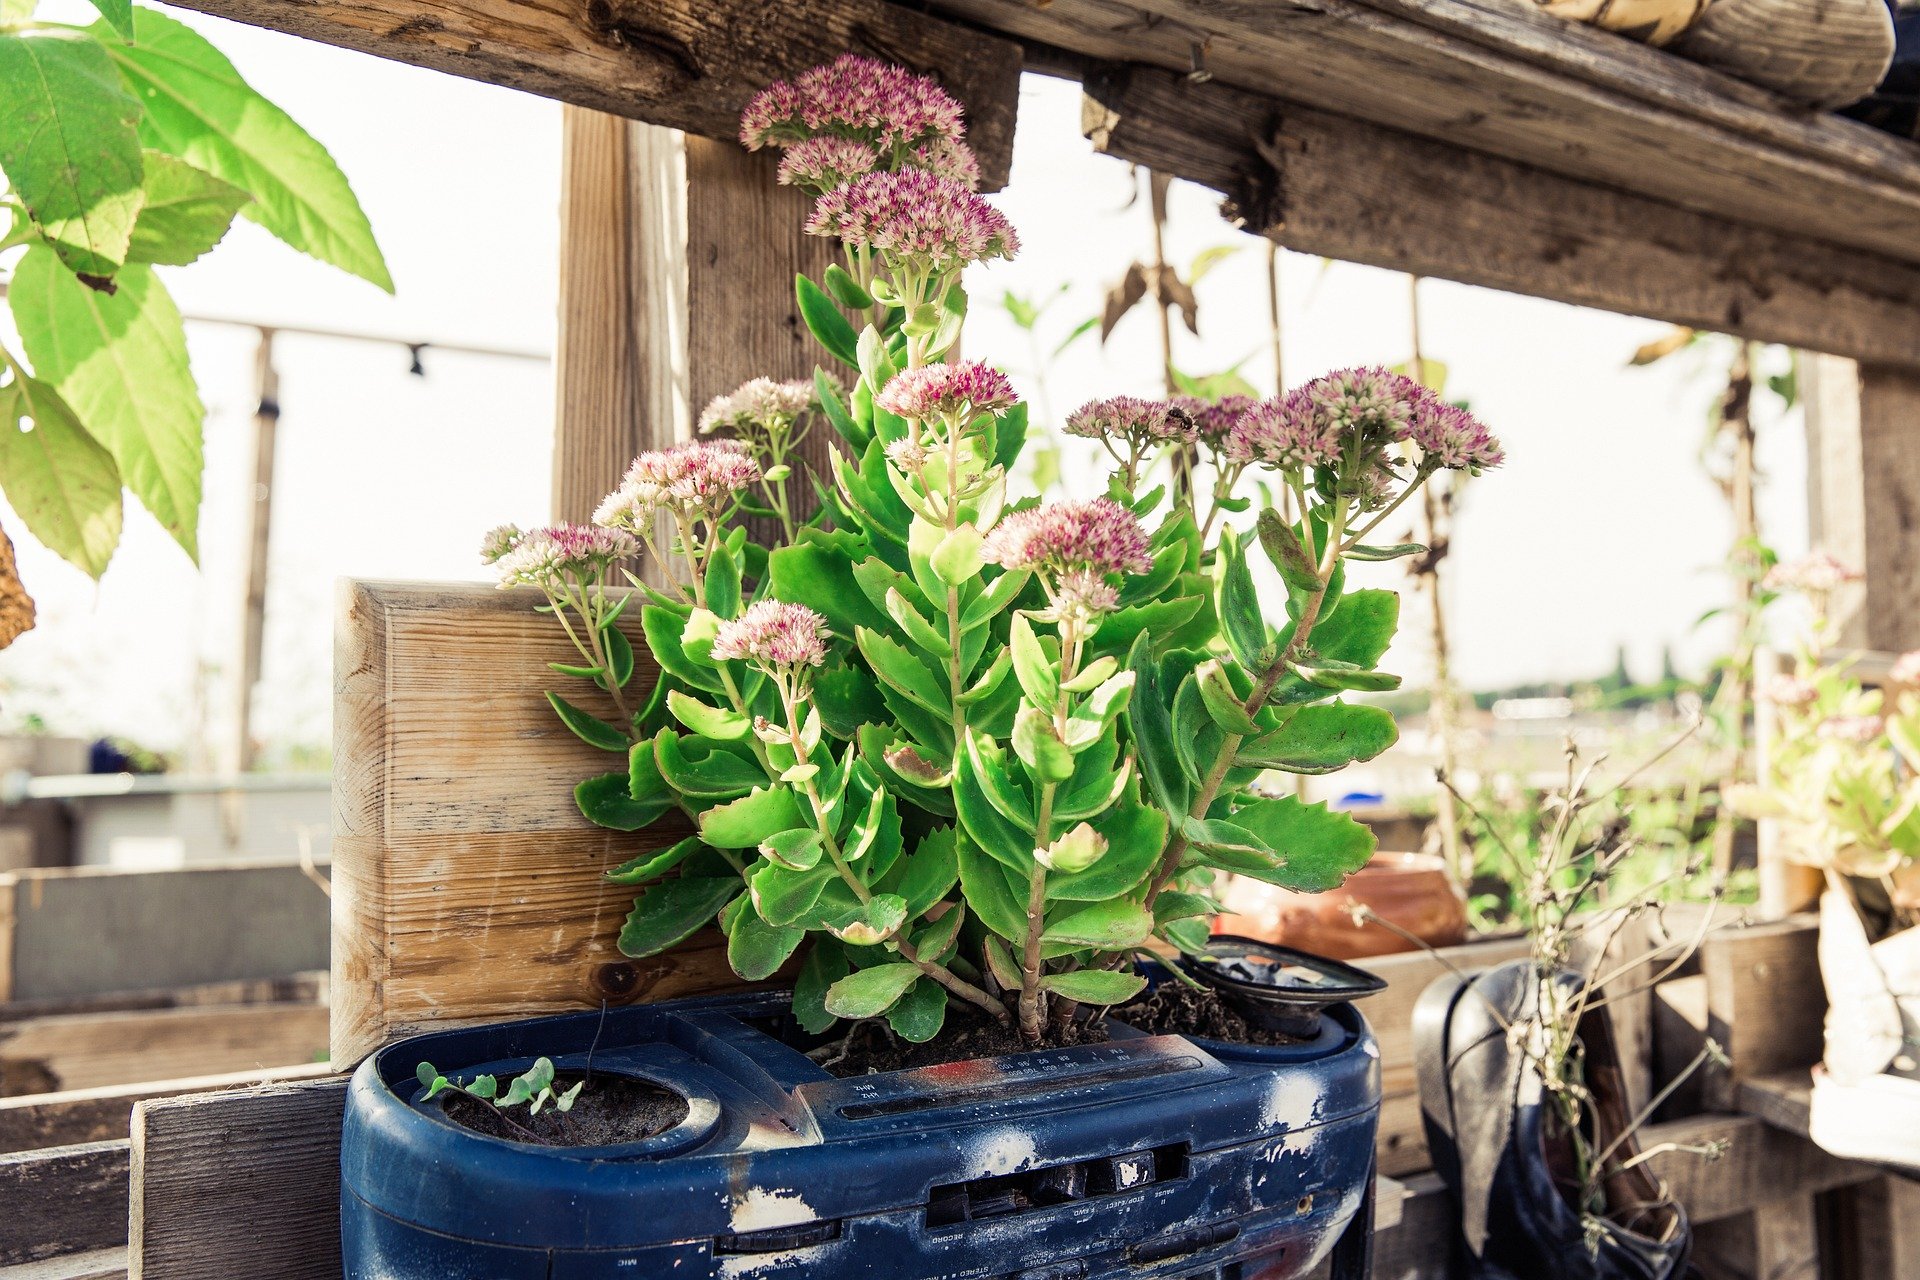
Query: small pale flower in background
{"x":1858,"y":729}
{"x":1134,"y":419}
{"x":1080,"y":595}
{"x":552,"y":557}
{"x":915,"y":220}
{"x":498,"y":541}
{"x":821,"y":164}
{"x":774,"y":635}
{"x":1451,"y":437}
{"x":1817,"y":573}
{"x":1788,"y":691}
{"x":695,"y":478}
{"x":759,"y":403}
{"x":1098,"y":536}
{"x":1906,"y":669}
{"x":955,"y":393}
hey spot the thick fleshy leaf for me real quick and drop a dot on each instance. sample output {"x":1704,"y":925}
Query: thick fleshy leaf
{"x":707,"y":721}
{"x":1040,"y":748}
{"x":756,"y":949}
{"x":651,"y":866}
{"x":61,"y":482}
{"x":668,"y":913}
{"x":871,"y":992}
{"x":1318,"y":848}
{"x":1237,"y":603}
{"x":797,"y":850}
{"x":663,"y":627}
{"x":200,"y":109}
{"x":918,"y":1016}
{"x":826,"y":964}
{"x":1095,"y":986}
{"x":1360,"y":627}
{"x":608,"y":801}
{"x":70,"y":146}
{"x":120,"y":360}
{"x":1150,"y":727}
{"x":186,"y":211}
{"x":785,"y":897}
{"x":590,"y":729}
{"x":847,"y":698}
{"x":744,"y":823}
{"x":988,"y":892}
{"x":984,"y":824}
{"x":1111,"y":926}
{"x":824,"y":320}
{"x":1035,"y":668}
{"x":1136,"y":835}
{"x":1321,"y":739}
{"x":703,"y":768}
{"x":931,"y":870}
{"x":871,"y":922}
{"x":902,"y":671}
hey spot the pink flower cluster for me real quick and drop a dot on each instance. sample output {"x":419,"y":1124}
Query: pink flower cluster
{"x":1454,"y":438}
{"x":1856,"y":729}
{"x":1214,"y":419}
{"x":697,"y":477}
{"x":758,"y":403}
{"x":1098,"y":536}
{"x":823,"y":163}
{"x":1788,"y":691}
{"x":1357,"y":413}
{"x":1906,"y":669}
{"x":854,"y":97}
{"x":947,"y":158}
{"x":1817,"y":573}
{"x":774,"y":635}
{"x":1133,"y":418}
{"x":548,"y":557}
{"x":951,"y":392}
{"x":915,"y":216}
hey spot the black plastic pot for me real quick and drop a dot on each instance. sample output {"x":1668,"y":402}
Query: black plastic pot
{"x":1144,"y":1157}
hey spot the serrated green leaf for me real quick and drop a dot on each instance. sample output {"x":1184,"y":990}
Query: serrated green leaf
{"x":1112,"y":925}
{"x":201,"y":110}
{"x":590,"y":729}
{"x":1033,"y":666}
{"x":984,"y":882}
{"x":1094,"y":986}
{"x":70,"y":146}
{"x":918,"y":1016}
{"x":668,"y":913}
{"x":1330,"y":673}
{"x":1321,"y":739}
{"x":869,"y":923}
{"x":1361,"y":551}
{"x":653,"y":865}
{"x":785,"y":897}
{"x":708,"y":721}
{"x":1237,"y":604}
{"x":756,"y":949}
{"x":984,"y":825}
{"x":184,"y":212}
{"x":1136,"y":835}
{"x":619,"y":652}
{"x":996,"y":782}
{"x":799,"y":849}
{"x":61,"y":482}
{"x":607,"y":801}
{"x":1360,"y":627}
{"x":916,"y":626}
{"x":1039,"y":747}
{"x":826,"y":964}
{"x":1318,"y":848}
{"x":663,"y":627}
{"x":1150,"y":728}
{"x":1222,"y":702}
{"x":744,"y":823}
{"x":723,"y":583}
{"x":1000,"y":593}
{"x":868,"y":993}
{"x":930,"y":871}
{"x":703,"y":768}
{"x":120,"y":361}
{"x":901,"y":671}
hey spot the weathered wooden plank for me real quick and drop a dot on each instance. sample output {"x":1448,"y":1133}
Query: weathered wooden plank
{"x":83,"y":1051}
{"x":1760,"y":1165}
{"x":98,"y":1264}
{"x":1765,"y":1001}
{"x":240,"y":1183}
{"x":33,"y":1121}
{"x":684,"y":65}
{"x":62,"y":1201}
{"x":1328,"y":185}
{"x":300,"y":988}
{"x":80,"y":931}
{"x":466,"y":885}
{"x":1511,"y":82}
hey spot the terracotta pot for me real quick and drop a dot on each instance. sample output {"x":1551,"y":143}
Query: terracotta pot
{"x":1409,"y":889}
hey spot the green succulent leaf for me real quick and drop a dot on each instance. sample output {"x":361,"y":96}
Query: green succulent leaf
{"x":744,"y":823}
{"x":1135,"y":834}
{"x":1329,"y":673}
{"x":901,"y":671}
{"x":756,"y":949}
{"x":984,"y":824}
{"x":998,"y":597}
{"x":708,"y":721}
{"x":1034,"y":667}
{"x":1318,"y":848}
{"x":1094,"y":986}
{"x":619,"y":652}
{"x":786,"y":897}
{"x":1321,"y":739}
{"x":868,"y":993}
{"x":663,"y":627}
{"x":1150,"y":727}
{"x":590,"y":729}
{"x":654,"y":864}
{"x":608,"y":801}
{"x":1221,"y":700}
{"x":984,"y":881}
{"x":1361,"y":551}
{"x":1237,"y":604}
{"x":918,"y":1016}
{"x":931,"y":870}
{"x":826,"y":964}
{"x":671,"y":911}
{"x":799,"y":849}
{"x":1040,"y":748}
{"x":1113,"y":925}
{"x":704,"y":768}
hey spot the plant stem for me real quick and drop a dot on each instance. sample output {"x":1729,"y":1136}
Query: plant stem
{"x":1032,"y":1015}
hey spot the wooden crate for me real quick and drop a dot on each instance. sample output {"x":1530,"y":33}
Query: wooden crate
{"x":466,"y":885}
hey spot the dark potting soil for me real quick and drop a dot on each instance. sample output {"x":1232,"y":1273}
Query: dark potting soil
{"x":1175,"y":1009}
{"x":611,"y":1109}
{"x":871,"y":1047}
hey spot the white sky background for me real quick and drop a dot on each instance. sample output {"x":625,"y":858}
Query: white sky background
{"x":1602,"y":530}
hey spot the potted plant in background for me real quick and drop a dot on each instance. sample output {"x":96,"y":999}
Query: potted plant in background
{"x":1842,"y":785}
{"x":965,"y":767}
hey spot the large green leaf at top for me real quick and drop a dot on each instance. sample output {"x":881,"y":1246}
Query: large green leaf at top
{"x":1360,"y":627}
{"x":185,"y":213}
{"x":1321,"y":739}
{"x":200,"y":109}
{"x":120,"y":360}
{"x":70,"y":145}
{"x":1317,"y":847}
{"x":61,"y":481}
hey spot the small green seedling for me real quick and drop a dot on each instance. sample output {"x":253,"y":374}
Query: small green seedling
{"x":534,"y":1087}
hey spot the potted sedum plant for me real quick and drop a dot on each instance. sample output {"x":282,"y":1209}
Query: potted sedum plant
{"x":962,"y":768}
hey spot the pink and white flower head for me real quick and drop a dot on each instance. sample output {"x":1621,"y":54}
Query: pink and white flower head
{"x":775,"y":636}
{"x":947,"y":158}
{"x":550,"y":558}
{"x":852,"y":97}
{"x":1346,"y":413}
{"x":1098,"y":536}
{"x":1855,"y":729}
{"x":915,"y":219}
{"x":1906,"y":670}
{"x":1285,"y":433}
{"x":1214,"y":419}
{"x":759,"y":405}
{"x":1788,"y":691}
{"x":908,"y":455}
{"x":1451,"y":437}
{"x":694,"y":478}
{"x":1080,"y":595}
{"x":1815,"y":574}
{"x":1135,"y":419}
{"x":953,"y":393}
{"x":498,"y":541}
{"x":821,"y":164}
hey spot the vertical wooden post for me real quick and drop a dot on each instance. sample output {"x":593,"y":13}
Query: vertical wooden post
{"x":253,"y":617}
{"x":678,"y":255}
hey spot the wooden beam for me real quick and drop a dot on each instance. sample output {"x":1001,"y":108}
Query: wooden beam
{"x":1512,"y":81}
{"x":82,"y":1051}
{"x":82,"y":931}
{"x":1759,"y":1165}
{"x":466,"y":885}
{"x":1864,"y":483}
{"x":1333,"y":186}
{"x":101,"y":1114}
{"x":677,"y":63}
{"x":68,"y":1200}
{"x":240,"y":1183}
{"x":1765,"y":1001}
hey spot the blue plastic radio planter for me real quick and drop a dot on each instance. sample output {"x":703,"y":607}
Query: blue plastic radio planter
{"x":1144,"y":1157}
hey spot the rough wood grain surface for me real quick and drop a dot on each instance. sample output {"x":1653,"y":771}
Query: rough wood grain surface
{"x":1507,"y":80}
{"x":1765,"y":1001}
{"x":84,"y":1051}
{"x":686,"y":65}
{"x":82,"y":931}
{"x":1761,"y":1165}
{"x":1327,"y":185}
{"x":240,"y":1183}
{"x":466,"y":885}
{"x":101,"y":1114}
{"x":67,"y":1200}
